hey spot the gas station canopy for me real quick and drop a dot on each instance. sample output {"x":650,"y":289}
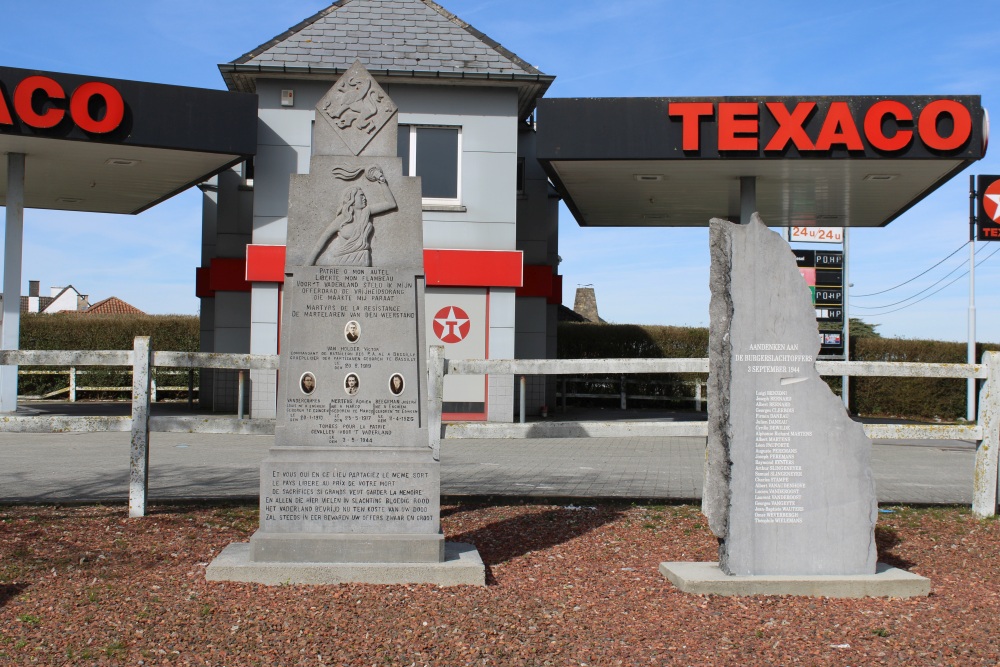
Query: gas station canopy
{"x":818,"y":161}
{"x":115,"y":146}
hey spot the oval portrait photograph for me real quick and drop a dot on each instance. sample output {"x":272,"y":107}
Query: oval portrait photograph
{"x":396,"y":384}
{"x":352,"y":384}
{"x":307,"y":383}
{"x":352,"y":331}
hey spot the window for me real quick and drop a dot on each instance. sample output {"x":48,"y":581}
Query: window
{"x":434,"y":154}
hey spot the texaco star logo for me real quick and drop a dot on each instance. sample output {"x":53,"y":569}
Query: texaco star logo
{"x":991,"y":201}
{"x":452,"y":324}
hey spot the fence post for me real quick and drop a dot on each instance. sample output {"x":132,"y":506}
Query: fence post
{"x":624,"y":404}
{"x":190,"y":389}
{"x":239,"y":397}
{"x":523,"y":397}
{"x":435,"y":387}
{"x":697,"y":395}
{"x":152,"y":385}
{"x":138,"y":483}
{"x":72,"y":384}
{"x":564,"y":394}
{"x":984,"y":482}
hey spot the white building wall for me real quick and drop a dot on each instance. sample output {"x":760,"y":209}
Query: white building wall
{"x":65,"y":301}
{"x":488,"y":118}
{"x":284,"y":145}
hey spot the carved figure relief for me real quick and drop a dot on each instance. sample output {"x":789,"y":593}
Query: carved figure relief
{"x":347,"y":239}
{"x":356,"y":104}
{"x":357,"y":108}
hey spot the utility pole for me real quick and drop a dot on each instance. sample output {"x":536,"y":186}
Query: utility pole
{"x":970,"y":402}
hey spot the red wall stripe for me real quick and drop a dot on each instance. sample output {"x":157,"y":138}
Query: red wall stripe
{"x":228,"y":274}
{"x":266,"y":263}
{"x":201,"y":288}
{"x":443,"y":268}
{"x":473,"y":268}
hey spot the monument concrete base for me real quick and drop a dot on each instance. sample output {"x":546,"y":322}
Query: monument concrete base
{"x":707,"y":578}
{"x":346,"y":548}
{"x":462,"y":566}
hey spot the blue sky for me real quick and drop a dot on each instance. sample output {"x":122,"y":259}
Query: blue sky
{"x":596,"y":49}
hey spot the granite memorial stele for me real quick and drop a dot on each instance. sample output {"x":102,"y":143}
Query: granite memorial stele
{"x":350,"y":492}
{"x":789,"y":491}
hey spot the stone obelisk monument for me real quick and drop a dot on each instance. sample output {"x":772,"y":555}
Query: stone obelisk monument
{"x":351,"y":489}
{"x":789,"y":491}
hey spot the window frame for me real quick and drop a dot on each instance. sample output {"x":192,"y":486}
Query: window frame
{"x":411,"y":167}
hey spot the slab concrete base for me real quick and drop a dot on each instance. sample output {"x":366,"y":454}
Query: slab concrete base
{"x":707,"y":578}
{"x":345,"y":548}
{"x":462,"y":566}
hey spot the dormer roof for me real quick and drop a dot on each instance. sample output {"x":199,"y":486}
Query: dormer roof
{"x":410,"y":40}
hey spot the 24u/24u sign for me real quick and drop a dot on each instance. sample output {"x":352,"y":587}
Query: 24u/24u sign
{"x":42,"y":103}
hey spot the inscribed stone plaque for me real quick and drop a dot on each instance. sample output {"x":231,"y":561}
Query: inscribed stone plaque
{"x":788,"y":485}
{"x":351,"y":477}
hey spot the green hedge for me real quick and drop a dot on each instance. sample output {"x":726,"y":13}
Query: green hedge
{"x":581,"y":340}
{"x":909,"y":398}
{"x":101,"y":332}
{"x":614,"y":341}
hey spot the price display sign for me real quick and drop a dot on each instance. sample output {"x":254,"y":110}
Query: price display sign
{"x":823,"y":271}
{"x":817,"y":234}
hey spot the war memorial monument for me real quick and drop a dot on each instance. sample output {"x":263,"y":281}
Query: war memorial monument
{"x":351,"y":489}
{"x":789,"y":491}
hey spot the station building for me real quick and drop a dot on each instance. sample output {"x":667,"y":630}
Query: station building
{"x":465,"y":127}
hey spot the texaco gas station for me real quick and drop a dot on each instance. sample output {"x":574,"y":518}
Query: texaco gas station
{"x":495,"y":156}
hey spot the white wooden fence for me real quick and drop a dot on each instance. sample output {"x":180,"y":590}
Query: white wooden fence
{"x":73,"y":387}
{"x":142,"y":359}
{"x":986,"y":430}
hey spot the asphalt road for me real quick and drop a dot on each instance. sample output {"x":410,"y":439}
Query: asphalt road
{"x":70,"y":467}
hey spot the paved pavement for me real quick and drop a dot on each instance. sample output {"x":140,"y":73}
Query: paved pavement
{"x":94,"y":467}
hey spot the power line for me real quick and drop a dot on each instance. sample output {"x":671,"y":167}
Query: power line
{"x":913,"y":296}
{"x":957,"y":278}
{"x":858,"y":296}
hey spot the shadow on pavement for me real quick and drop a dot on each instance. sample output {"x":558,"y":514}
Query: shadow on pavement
{"x":174,"y":483}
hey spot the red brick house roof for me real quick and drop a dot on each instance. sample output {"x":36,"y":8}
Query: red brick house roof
{"x":113,"y":306}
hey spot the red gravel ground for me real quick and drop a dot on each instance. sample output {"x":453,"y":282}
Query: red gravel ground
{"x":567,"y":586}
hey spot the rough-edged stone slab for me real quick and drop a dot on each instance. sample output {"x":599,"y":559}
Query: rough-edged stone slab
{"x":708,"y":579}
{"x":788,"y":486}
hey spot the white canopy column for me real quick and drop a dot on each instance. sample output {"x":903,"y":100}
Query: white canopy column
{"x":10,"y":326}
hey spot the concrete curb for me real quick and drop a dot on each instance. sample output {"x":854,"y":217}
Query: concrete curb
{"x":707,"y":578}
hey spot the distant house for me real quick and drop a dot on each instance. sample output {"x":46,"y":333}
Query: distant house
{"x":69,"y":300}
{"x":113,"y":306}
{"x":60,"y":300}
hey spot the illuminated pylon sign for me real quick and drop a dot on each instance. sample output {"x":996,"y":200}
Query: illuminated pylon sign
{"x":989,"y":208}
{"x":452,"y":324}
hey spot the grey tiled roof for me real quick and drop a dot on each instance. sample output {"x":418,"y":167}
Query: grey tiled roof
{"x":385,"y":35}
